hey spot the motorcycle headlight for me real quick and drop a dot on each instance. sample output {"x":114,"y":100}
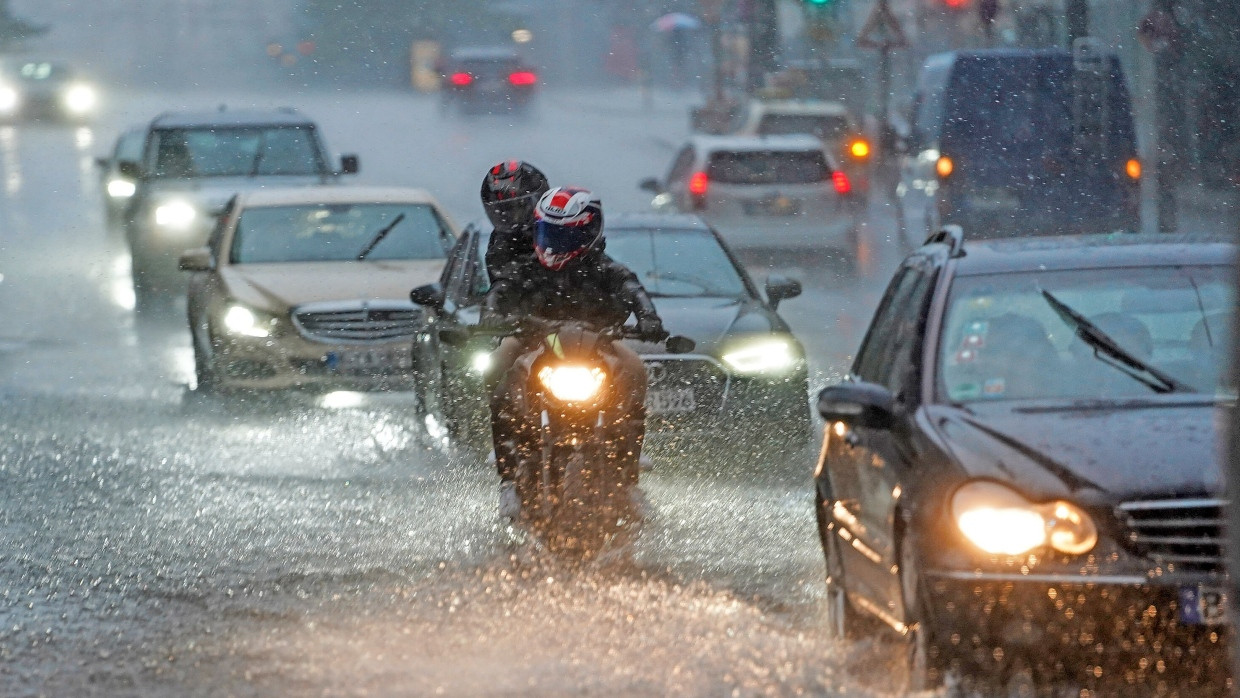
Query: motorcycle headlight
{"x":773,"y":355}
{"x":80,"y":99}
{"x":573,"y":383}
{"x":239,"y":319}
{"x":175,"y":214}
{"x":1000,"y":521}
{"x":9,"y":99}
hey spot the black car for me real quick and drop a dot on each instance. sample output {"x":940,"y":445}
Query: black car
{"x":487,"y":79}
{"x":1021,"y":474}
{"x":37,"y":89}
{"x":746,"y":377}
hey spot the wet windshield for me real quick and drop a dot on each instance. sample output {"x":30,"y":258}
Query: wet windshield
{"x":768,"y":167}
{"x":337,"y":233}
{"x":828,"y":128}
{"x":1003,"y":341}
{"x":234,"y":152}
{"x":671,"y":262}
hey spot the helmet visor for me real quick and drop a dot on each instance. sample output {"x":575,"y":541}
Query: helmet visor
{"x":557,"y":245}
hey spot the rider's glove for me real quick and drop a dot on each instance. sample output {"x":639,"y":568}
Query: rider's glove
{"x":651,"y":328}
{"x":493,"y":321}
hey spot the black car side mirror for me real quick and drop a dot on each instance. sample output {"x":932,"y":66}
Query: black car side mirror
{"x":651,"y":185}
{"x":780,"y":288}
{"x":350,"y":164}
{"x":129,"y":169}
{"x":679,"y":344}
{"x":428,"y":295}
{"x":857,"y":404}
{"x":454,"y":336}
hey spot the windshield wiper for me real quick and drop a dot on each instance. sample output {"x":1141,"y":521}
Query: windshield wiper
{"x":1122,"y":359}
{"x":378,"y":238}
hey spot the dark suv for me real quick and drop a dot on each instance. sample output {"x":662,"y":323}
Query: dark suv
{"x":1021,"y":474}
{"x":191,"y":165}
{"x":487,"y":79}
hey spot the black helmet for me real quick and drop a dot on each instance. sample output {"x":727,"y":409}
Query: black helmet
{"x":510,"y":191}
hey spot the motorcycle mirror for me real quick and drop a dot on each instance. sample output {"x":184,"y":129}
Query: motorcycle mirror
{"x":453,"y":336}
{"x":679,"y":344}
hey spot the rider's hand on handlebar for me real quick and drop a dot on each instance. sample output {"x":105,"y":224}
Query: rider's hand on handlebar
{"x":651,"y":329}
{"x":494,"y":321}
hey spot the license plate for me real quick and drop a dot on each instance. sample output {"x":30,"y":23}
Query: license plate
{"x":368,"y":361}
{"x":1202,"y":605}
{"x":774,"y":206}
{"x":994,"y":200}
{"x":670,"y":400}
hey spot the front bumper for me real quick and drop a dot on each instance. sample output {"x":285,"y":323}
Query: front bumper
{"x":292,"y":361}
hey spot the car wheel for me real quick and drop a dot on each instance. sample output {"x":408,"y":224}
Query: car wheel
{"x":841,"y":619}
{"x":207,"y":379}
{"x":924,"y":670}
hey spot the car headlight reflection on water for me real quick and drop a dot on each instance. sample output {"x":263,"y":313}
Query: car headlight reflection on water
{"x":569,"y":383}
{"x":773,"y":355}
{"x":175,"y":214}
{"x":80,"y":99}
{"x":1002,"y":522}
{"x":239,"y":319}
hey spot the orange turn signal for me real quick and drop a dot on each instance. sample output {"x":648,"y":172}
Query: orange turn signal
{"x":859,"y":149}
{"x":1133,"y":168}
{"x":944,"y":166}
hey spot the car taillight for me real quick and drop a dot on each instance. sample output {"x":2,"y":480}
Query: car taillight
{"x":859,"y":149}
{"x":944,"y":166}
{"x":698,"y":184}
{"x":1133,"y":168}
{"x":522,"y":78}
{"x":840,"y":181}
{"x":461,"y":79}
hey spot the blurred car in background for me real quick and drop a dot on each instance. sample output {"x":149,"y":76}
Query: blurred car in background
{"x":308,"y":287}
{"x":484,"y":79}
{"x":830,"y":122}
{"x":118,"y":190}
{"x":741,"y":392}
{"x":40,"y":90}
{"x":192,"y":163}
{"x":1022,"y":471}
{"x":764,"y":192}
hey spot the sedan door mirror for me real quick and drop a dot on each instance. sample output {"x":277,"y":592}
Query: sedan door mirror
{"x":779,"y":288}
{"x":651,"y":185}
{"x":679,"y":344}
{"x":857,"y":404}
{"x":197,"y":259}
{"x":129,"y":169}
{"x":349,"y":164}
{"x":428,"y":296}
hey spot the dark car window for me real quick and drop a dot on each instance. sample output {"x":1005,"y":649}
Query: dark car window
{"x":893,"y":333}
{"x":681,"y":166}
{"x":338,"y":232}
{"x":825,"y":127}
{"x":235,"y":152}
{"x":1003,"y":340}
{"x":768,"y":167}
{"x":676,"y":262}
{"x":37,"y":72}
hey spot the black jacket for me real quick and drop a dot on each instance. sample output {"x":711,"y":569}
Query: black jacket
{"x":596,"y":290}
{"x":508,"y":251}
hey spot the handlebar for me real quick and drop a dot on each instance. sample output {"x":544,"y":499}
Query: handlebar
{"x":531,"y":326}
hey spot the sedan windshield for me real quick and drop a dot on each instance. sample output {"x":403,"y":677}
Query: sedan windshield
{"x":1003,"y":340}
{"x":768,"y":167}
{"x":338,"y":233}
{"x":676,"y":262}
{"x":235,"y":152}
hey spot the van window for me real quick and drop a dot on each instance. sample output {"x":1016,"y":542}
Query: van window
{"x":928,"y":104}
{"x":825,"y":127}
{"x":768,"y":167}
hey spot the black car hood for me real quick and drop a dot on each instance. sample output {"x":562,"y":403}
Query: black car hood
{"x":712,"y":322}
{"x":1162,"y":448}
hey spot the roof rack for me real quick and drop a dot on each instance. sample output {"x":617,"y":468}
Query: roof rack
{"x":951,"y":235}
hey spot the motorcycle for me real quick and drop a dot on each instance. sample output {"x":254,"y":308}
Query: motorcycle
{"x":577,"y":445}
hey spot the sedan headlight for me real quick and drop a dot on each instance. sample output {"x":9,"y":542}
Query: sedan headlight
{"x":9,"y":99}
{"x":239,"y":319}
{"x":175,"y":214}
{"x":573,"y":383}
{"x":121,"y":188}
{"x":772,"y":355}
{"x":1000,"y":521}
{"x":80,"y":99}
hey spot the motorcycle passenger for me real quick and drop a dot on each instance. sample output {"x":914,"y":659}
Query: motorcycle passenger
{"x":571,"y":280}
{"x":510,"y":191}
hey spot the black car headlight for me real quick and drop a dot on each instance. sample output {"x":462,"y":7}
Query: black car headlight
{"x":1000,"y":521}
{"x":766,"y":355}
{"x":240,"y":320}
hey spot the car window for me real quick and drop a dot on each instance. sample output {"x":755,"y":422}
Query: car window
{"x":679,"y":171}
{"x":768,"y":167}
{"x":876,"y":358}
{"x":339,"y":232}
{"x":129,"y":146}
{"x":825,"y":127}
{"x":232,"y":152}
{"x":489,"y":68}
{"x":1003,"y":340}
{"x":676,"y":262}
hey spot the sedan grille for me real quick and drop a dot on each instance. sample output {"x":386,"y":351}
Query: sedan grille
{"x":1187,"y":533}
{"x":357,"y":321}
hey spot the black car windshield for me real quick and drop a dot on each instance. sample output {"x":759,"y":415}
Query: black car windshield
{"x":768,"y":167}
{"x":676,"y":262}
{"x":825,"y":127}
{"x":1002,"y":340}
{"x":235,"y":152}
{"x":338,"y":232}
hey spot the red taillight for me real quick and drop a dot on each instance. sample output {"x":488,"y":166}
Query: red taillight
{"x":840,"y":181}
{"x":698,"y":184}
{"x":522,"y":78}
{"x":461,"y":79}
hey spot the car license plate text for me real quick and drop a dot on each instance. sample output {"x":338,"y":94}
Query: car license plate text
{"x":1202,"y":605}
{"x":670,"y":400}
{"x":368,"y":361}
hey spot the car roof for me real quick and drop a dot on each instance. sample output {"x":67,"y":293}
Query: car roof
{"x":790,"y":142}
{"x":1092,"y":251}
{"x":813,"y":107}
{"x":335,"y":194}
{"x":678,"y":221}
{"x":224,"y":118}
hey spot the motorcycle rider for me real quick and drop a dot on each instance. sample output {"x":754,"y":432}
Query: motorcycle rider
{"x":568,"y":278}
{"x":510,"y":191}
